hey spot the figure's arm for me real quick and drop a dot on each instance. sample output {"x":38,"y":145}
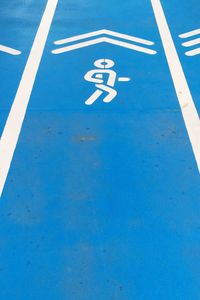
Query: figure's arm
{"x":89,"y":77}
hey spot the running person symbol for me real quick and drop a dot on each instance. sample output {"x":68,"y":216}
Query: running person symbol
{"x":102,"y":82}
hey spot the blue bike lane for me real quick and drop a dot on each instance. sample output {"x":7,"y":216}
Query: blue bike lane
{"x":102,"y":200}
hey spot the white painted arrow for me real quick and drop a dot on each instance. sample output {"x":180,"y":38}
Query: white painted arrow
{"x":110,"y":40}
{"x":192,"y":42}
{"x":104,"y":40}
{"x":9,"y":50}
{"x":104,"y":32}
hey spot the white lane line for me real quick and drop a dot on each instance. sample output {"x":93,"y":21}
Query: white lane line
{"x":104,"y":31}
{"x":104,"y":40}
{"x":16,"y":116}
{"x":193,"y":52}
{"x":189,"y":34}
{"x":9,"y":50}
{"x":191,"y":43}
{"x":186,"y":102}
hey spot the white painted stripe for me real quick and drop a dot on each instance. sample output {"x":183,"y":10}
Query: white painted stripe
{"x":124,"y":79}
{"x":189,"y":34}
{"x":16,"y":116}
{"x":9,"y":50}
{"x":191,"y":43}
{"x":186,"y":102}
{"x":104,"y":31}
{"x":78,"y":46}
{"x":106,"y":40}
{"x":193,"y":52}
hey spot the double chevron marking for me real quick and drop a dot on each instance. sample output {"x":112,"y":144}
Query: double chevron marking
{"x":115,"y":38}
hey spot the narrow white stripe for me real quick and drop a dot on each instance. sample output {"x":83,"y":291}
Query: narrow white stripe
{"x":79,"y":45}
{"x":130,"y":46}
{"x":189,"y":34}
{"x":124,"y":79}
{"x":186,"y":102}
{"x":16,"y":116}
{"x":193,"y":52}
{"x":104,"y":31}
{"x":191,"y":43}
{"x":9,"y":50}
{"x":106,"y":40}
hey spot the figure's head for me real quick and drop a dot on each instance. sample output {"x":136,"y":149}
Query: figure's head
{"x":104,"y":63}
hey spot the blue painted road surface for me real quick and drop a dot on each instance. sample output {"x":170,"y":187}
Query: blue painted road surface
{"x":99,"y":150}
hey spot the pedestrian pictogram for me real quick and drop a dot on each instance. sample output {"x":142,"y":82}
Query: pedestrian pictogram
{"x":103,"y":83}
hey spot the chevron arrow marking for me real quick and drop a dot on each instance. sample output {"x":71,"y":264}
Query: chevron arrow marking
{"x":107,"y":32}
{"x":192,"y":42}
{"x":104,"y":40}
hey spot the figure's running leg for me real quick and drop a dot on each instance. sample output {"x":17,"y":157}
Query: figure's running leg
{"x":94,"y":97}
{"x":112,"y":93}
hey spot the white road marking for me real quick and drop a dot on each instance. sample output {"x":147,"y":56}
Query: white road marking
{"x":124,"y":79}
{"x":94,"y":97}
{"x":186,"y":102}
{"x":193,"y":52}
{"x":104,"y":40}
{"x":103,"y":83}
{"x":189,"y":34}
{"x":101,"y":32}
{"x":9,"y":50}
{"x":191,"y":43}
{"x":16,"y":116}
